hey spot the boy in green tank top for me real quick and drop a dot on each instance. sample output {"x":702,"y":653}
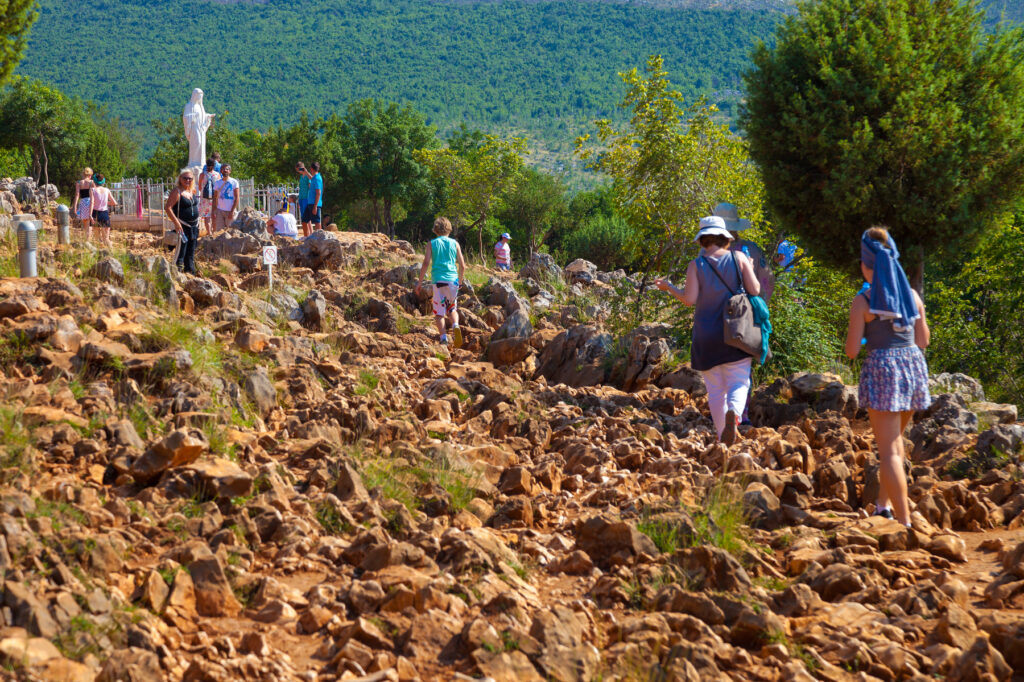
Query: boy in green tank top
{"x":444,"y":259}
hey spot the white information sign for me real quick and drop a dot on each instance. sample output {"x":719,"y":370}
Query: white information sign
{"x":270,"y":255}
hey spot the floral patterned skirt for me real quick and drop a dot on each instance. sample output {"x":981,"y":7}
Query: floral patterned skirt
{"x":84,"y":211}
{"x":894,"y":380}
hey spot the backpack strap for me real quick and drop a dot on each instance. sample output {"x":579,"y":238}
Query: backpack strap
{"x":739,"y":277}
{"x":719,"y":276}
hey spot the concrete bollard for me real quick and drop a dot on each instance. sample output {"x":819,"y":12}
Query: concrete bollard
{"x":28,"y":237}
{"x":63,"y":225}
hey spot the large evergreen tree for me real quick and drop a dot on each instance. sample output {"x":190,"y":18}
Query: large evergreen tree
{"x":902,"y":112}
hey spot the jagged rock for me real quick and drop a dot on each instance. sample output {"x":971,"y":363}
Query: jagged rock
{"x":684,"y":379}
{"x":1004,"y":438}
{"x":108,"y":270}
{"x":541,"y":267}
{"x":28,"y":611}
{"x":130,"y":665}
{"x":980,"y":663}
{"x":314,"y":309}
{"x":966,"y":387}
{"x":321,"y":250}
{"x":787,"y":400}
{"x":178,"y":448}
{"x":260,"y":390}
{"x":203,"y":291}
{"x":251,"y":221}
{"x":575,"y":357}
{"x":712,"y":568}
{"x":580,"y":272}
{"x":995,"y":413}
{"x":609,"y":542}
{"x":222,"y":479}
{"x":213,"y":593}
{"x":510,"y":343}
{"x":227,"y":244}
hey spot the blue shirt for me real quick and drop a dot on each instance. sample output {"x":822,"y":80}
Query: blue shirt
{"x":216,"y":166}
{"x":304,"y":189}
{"x":787,"y":250}
{"x":444,"y":260}
{"x":315,"y":183}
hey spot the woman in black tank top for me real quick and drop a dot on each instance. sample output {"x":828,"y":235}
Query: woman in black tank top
{"x":182,"y":207}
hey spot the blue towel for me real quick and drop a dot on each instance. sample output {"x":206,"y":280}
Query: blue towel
{"x":763,"y":320}
{"x":891,"y":295}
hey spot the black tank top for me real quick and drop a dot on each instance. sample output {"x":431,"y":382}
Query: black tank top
{"x":187,"y":210}
{"x":83,"y":193}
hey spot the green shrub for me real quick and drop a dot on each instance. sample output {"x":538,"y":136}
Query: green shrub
{"x":603,"y":240}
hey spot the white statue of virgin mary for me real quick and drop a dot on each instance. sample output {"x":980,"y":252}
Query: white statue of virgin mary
{"x":197,"y":122}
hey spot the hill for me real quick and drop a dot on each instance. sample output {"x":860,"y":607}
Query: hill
{"x":544,"y":68}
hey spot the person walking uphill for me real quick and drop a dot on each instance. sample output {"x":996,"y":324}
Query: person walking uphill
{"x":83,"y":197}
{"x":711,"y":279}
{"x":894,"y":378}
{"x":444,"y":259}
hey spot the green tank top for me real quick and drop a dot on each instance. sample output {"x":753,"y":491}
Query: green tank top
{"x":444,"y":252}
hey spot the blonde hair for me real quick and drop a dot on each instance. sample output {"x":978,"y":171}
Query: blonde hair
{"x":188,"y":183}
{"x":87,"y":171}
{"x":879,"y":234}
{"x":442,"y":226}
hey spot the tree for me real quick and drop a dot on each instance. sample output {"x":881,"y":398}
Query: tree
{"x":16,"y":19}
{"x":477,"y":178}
{"x":669,"y":167}
{"x":377,"y":160}
{"x":61,"y":134}
{"x":533,"y":206}
{"x":896,"y":112}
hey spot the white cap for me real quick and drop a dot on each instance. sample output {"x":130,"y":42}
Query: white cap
{"x":712,"y":225}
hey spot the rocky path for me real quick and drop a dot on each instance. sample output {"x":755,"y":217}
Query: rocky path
{"x":201,"y":479}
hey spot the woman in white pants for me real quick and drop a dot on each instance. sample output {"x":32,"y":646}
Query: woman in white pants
{"x":710,"y":280}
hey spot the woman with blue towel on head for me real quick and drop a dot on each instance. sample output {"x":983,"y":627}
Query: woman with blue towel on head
{"x":894,"y":377}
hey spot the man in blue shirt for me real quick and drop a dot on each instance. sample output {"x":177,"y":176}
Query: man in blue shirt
{"x":315,"y":200}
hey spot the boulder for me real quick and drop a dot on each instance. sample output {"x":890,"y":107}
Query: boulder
{"x":203,"y":291}
{"x":212,"y":589}
{"x":609,"y":542}
{"x":222,"y":479}
{"x":1006,"y":439}
{"x":314,"y":310}
{"x":251,"y":221}
{"x":178,"y":448}
{"x":575,"y":357}
{"x":968,"y":388}
{"x":541,"y":267}
{"x":995,"y":413}
{"x":260,"y":390}
{"x":580,"y":271}
{"x":227,"y":244}
{"x":321,"y":251}
{"x":712,"y":568}
{"x":130,"y":665}
{"x":108,"y":269}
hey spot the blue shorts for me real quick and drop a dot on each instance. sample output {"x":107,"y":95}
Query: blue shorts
{"x":102,"y":218}
{"x":311,"y":214}
{"x":504,"y":266}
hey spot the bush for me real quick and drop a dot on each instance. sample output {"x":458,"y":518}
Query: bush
{"x":603,"y":240}
{"x":809,"y":313}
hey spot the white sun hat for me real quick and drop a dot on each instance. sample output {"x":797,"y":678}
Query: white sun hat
{"x":712,"y":225}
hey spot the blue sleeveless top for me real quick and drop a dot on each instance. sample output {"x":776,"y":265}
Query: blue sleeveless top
{"x":444,"y":260}
{"x":708,"y":348}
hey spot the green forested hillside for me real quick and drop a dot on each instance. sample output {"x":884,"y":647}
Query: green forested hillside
{"x":541,"y":68}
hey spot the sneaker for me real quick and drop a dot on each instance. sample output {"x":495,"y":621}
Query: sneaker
{"x":729,"y":434}
{"x":884,"y":513}
{"x":457,"y":334}
{"x":444,"y":339}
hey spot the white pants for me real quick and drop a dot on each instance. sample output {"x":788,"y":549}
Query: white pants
{"x":728,"y":386}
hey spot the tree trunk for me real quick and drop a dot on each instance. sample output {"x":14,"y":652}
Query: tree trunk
{"x":480,"y":237}
{"x":388,"y":220}
{"x":916,"y":275}
{"x":46,"y":170}
{"x":376,"y":215}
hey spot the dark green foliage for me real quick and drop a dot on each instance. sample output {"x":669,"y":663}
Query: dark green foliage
{"x":532,"y":209}
{"x":604,"y":241}
{"x":544,"y":68}
{"x":16,"y":19}
{"x":900,"y":112}
{"x":974,"y":310}
{"x":60,"y":135}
